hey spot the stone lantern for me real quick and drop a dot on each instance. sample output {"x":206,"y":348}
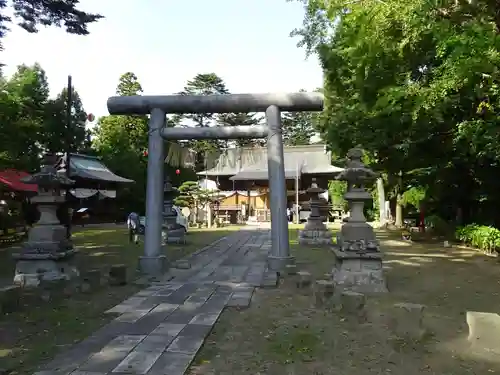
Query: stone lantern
{"x":47,"y":253}
{"x":171,"y":231}
{"x":358,"y":259}
{"x":315,"y":231}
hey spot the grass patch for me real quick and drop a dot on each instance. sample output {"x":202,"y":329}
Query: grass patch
{"x":282,"y":333}
{"x":36,"y":333}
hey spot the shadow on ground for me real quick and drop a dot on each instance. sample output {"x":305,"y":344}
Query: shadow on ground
{"x":39,"y":330}
{"x":282,"y":333}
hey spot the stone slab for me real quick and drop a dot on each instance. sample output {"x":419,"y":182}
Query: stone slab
{"x":484,"y":330}
{"x":182,"y":315}
{"x":205,"y":318}
{"x":124,"y":343}
{"x":104,"y":361}
{"x":241,"y":298}
{"x":186,"y":345}
{"x":154,"y":343}
{"x":137,"y":362}
{"x":132,"y":316}
{"x":168,"y":329}
{"x":170,"y":363}
{"x":127,"y":305}
{"x":196,"y":330}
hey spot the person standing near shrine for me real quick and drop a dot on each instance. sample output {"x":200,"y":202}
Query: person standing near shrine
{"x":133,"y":227}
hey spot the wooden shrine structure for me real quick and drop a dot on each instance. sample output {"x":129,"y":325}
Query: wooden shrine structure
{"x":241,"y":175}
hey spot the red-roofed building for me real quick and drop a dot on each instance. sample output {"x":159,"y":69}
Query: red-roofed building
{"x":15,"y":209}
{"x":11,"y":178}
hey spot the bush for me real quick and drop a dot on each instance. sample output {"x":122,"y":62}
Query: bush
{"x":480,"y":236}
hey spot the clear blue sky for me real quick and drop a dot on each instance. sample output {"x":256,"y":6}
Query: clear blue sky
{"x":167,"y":42}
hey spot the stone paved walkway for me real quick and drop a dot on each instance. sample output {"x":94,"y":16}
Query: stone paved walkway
{"x":161,"y":328}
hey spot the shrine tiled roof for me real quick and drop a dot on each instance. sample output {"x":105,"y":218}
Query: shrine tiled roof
{"x":250,"y":163}
{"x":90,"y":168}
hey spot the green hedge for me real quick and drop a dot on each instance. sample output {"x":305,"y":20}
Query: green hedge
{"x":480,"y":236}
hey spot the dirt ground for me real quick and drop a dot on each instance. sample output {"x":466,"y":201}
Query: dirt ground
{"x":282,"y":333}
{"x":35,"y":333}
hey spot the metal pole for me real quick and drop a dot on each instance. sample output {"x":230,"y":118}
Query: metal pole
{"x":69,"y":149}
{"x":154,"y":262}
{"x":280,"y":251}
{"x":297,"y":221}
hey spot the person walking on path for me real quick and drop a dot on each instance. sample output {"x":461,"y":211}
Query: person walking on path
{"x":133,"y":227}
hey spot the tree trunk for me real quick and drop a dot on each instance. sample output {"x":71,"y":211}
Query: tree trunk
{"x":399,"y":208}
{"x":381,"y":201}
{"x":422,"y":217}
{"x":399,"y":212}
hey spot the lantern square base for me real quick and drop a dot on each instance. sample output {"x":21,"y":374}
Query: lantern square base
{"x":359,"y":272}
{"x":30,"y":272}
{"x":315,"y":237}
{"x":278,"y":264}
{"x":153,"y":266}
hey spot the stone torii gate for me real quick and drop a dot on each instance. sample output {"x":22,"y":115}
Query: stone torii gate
{"x":154,"y":262}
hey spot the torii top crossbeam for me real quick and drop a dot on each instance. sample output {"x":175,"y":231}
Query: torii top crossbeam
{"x":221,"y":103}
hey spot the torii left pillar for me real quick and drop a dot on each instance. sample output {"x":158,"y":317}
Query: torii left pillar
{"x":154,"y":262}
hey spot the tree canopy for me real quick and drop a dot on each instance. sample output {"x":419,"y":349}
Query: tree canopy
{"x":29,"y":14}
{"x":33,"y":123}
{"x":416,"y":83}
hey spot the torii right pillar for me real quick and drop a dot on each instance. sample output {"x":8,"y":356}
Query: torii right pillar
{"x":358,"y":265}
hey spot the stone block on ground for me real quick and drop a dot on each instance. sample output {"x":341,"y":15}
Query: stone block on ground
{"x":304,"y":279}
{"x":291,"y":269}
{"x":271,"y":279}
{"x":241,"y":298}
{"x":406,"y":321}
{"x":92,"y":280}
{"x":484,"y":331}
{"x":324,"y":291}
{"x":353,"y":304}
{"x":9,"y":298}
{"x":182,"y":264}
{"x":118,"y":275}
{"x":53,"y":290}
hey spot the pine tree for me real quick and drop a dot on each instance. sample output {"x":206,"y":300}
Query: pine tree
{"x":298,"y":128}
{"x":60,"y":13}
{"x":244,"y":119}
{"x":204,"y":84}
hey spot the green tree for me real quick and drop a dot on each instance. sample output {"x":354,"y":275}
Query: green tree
{"x":187,"y":194}
{"x":28,"y":14}
{"x":416,"y":83}
{"x":121,"y":141}
{"x":299,"y":127}
{"x":204,"y":84}
{"x":54,"y":136}
{"x":244,"y":119}
{"x":24,"y":99}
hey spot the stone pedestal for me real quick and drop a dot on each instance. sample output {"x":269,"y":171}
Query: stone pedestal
{"x":315,"y":231}
{"x":279,"y":264}
{"x":48,"y":253}
{"x":153,"y":266}
{"x":361,"y":273}
{"x":171,"y":231}
{"x":315,"y":237}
